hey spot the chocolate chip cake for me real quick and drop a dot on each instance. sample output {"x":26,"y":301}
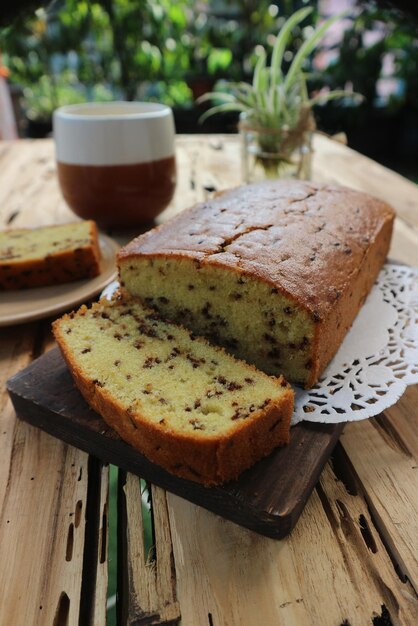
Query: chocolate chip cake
{"x":276,"y":271}
{"x":49,"y":255}
{"x":185,"y":404}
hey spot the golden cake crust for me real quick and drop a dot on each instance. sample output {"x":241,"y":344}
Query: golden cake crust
{"x":57,"y":267}
{"x":210,"y":461}
{"x":320,"y":245}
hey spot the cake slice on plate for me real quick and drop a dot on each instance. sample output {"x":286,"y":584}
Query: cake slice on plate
{"x":49,"y":255}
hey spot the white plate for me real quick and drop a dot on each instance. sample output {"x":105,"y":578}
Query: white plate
{"x":26,"y":305}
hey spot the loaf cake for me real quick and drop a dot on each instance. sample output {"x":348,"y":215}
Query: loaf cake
{"x":185,"y":404}
{"x":275,"y":272}
{"x":49,"y":255}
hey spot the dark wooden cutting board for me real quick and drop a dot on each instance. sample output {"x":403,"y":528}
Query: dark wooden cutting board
{"x":268,"y":498}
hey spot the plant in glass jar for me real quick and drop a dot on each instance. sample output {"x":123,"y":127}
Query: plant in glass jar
{"x":276,"y":119}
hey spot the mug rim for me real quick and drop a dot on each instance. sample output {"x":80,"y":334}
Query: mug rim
{"x":139,"y":110}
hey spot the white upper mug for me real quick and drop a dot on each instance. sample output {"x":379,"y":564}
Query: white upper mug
{"x":116,"y":160}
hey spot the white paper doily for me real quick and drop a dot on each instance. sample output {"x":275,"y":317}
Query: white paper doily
{"x":377,"y":360}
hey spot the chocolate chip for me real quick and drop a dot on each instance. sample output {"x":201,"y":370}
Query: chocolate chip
{"x":150,"y":362}
{"x":269,"y":338}
{"x":147,"y":330}
{"x":205,"y":311}
{"x":316,"y":317}
{"x":233,"y":386}
{"x":154,"y":317}
{"x":212,"y":393}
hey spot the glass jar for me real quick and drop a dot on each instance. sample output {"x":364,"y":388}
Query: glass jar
{"x":275,"y":153}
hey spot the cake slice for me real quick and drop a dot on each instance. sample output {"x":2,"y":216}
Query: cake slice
{"x":49,"y":255}
{"x":185,"y":404}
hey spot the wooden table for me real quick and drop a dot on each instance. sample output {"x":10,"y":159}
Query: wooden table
{"x":352,"y":556}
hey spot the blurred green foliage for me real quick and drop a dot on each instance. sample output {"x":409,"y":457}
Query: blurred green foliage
{"x":362,"y":62}
{"x":173,"y":51}
{"x":81,"y":50}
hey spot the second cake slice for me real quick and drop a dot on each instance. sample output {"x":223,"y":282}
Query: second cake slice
{"x":182,"y":402}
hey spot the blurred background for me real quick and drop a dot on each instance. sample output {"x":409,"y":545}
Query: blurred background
{"x":76,"y":50}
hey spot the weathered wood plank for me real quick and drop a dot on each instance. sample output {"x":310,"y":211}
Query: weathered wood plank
{"x":383,"y":459}
{"x":148,"y":593}
{"x":99,"y":598}
{"x":43,"y":499}
{"x":42,"y":530}
{"x":333,"y":569}
{"x":44,"y":488}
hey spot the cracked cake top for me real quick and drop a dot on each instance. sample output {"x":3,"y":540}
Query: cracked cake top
{"x":288,"y":233}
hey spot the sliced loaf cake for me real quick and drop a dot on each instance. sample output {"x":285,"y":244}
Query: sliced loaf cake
{"x":275,"y":272}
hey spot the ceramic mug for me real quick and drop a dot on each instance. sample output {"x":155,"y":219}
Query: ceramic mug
{"x":116,"y":161}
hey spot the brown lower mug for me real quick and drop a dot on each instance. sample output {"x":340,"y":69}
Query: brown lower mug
{"x":118,"y":195}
